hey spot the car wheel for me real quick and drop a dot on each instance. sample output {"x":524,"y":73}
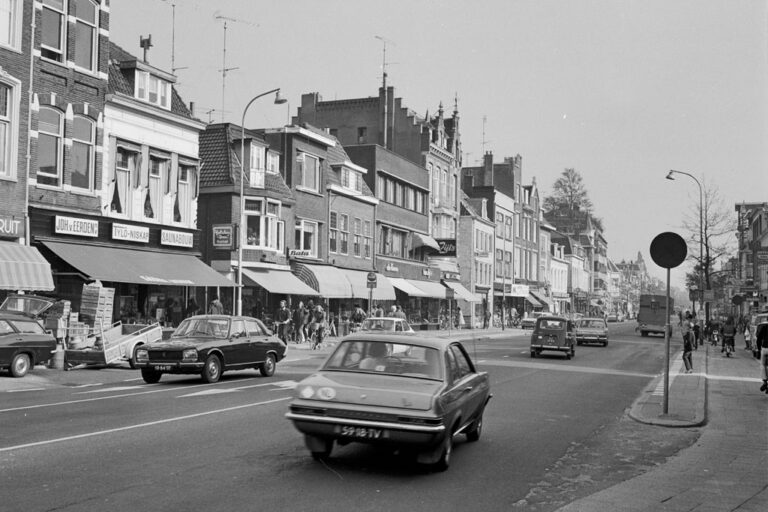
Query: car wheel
{"x":20,"y":365}
{"x":267,"y":368}
{"x":211,"y":370}
{"x":445,"y":455}
{"x":475,"y":429}
{"x":150,"y":376}
{"x":533,"y":353}
{"x":605,"y":343}
{"x":578,"y":342}
{"x":573,"y":351}
{"x":132,"y":360}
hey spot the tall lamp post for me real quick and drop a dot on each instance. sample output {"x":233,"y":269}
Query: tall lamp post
{"x":278,"y":101}
{"x":670,"y":176}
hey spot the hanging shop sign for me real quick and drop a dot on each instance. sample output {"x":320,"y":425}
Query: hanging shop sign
{"x":223,"y":236}
{"x":75,"y":226}
{"x":451,"y":276}
{"x":130,"y":233}
{"x":11,"y":227}
{"x":447,"y":246}
{"x":391,"y":268}
{"x":177,"y":238}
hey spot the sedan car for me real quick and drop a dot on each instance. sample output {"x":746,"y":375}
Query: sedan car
{"x":553,"y":333}
{"x":23,"y":340}
{"x":409,"y":392}
{"x":209,"y":345}
{"x":386,"y":325}
{"x":612,"y":317}
{"x":591,"y":330}
{"x":529,"y":321}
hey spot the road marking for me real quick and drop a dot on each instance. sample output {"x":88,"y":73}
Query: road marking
{"x":282,"y":384}
{"x":139,"y":425}
{"x":563,"y":368}
{"x":21,"y":390}
{"x":106,"y":390}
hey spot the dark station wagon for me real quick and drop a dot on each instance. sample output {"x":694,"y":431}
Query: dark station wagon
{"x":407,"y":392}
{"x":209,"y":345}
{"x":555,"y":333}
{"x":23,"y":340}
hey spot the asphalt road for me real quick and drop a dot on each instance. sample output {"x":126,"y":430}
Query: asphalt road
{"x":555,"y":430}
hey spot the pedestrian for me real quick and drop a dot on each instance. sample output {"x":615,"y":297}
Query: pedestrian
{"x":298,"y":323}
{"x":392,"y":311}
{"x":487,"y":318}
{"x":399,"y":313}
{"x":696,"y":334}
{"x":460,"y":320}
{"x":358,"y":316}
{"x":761,"y":340}
{"x":687,"y":330}
{"x":216,"y":307}
{"x":747,"y":330}
{"x":729,"y":333}
{"x":192,"y":308}
{"x":318,"y":325}
{"x":282,"y":319}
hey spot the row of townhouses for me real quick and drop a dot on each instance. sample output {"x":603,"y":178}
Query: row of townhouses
{"x":107,"y":175}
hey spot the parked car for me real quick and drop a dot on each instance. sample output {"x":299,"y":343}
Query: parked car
{"x":553,"y":333}
{"x":24,"y":341}
{"x":392,"y":390}
{"x":386,"y":325}
{"x":591,"y":330}
{"x":210,"y":345}
{"x":529,"y":321}
{"x":612,"y":317}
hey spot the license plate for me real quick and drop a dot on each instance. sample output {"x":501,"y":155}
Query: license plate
{"x":361,"y":432}
{"x":162,"y":367}
{"x":552,"y":340}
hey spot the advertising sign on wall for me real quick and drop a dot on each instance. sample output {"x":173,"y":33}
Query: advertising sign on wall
{"x":75,"y":226}
{"x":447,"y":246}
{"x":223,"y":236}
{"x":177,"y":238}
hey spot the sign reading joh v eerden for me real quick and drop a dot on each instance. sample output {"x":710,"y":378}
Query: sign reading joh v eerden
{"x":77,"y":227}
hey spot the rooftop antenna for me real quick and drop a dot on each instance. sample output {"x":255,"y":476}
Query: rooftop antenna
{"x":485,"y":118}
{"x":173,"y":35}
{"x":384,"y":42}
{"x":224,"y":68}
{"x":146,"y":44}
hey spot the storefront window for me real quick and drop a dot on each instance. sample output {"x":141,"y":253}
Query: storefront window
{"x":306,"y":237}
{"x":264,"y":229}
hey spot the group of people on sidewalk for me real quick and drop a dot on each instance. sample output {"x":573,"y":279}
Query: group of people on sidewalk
{"x":727,"y":334}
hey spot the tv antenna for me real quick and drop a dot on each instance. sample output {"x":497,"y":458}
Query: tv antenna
{"x":384,"y":42}
{"x":485,"y":119}
{"x":224,"y":68}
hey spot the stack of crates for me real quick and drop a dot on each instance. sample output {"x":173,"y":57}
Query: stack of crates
{"x":96,"y":306}
{"x":56,"y":318}
{"x":78,"y":332}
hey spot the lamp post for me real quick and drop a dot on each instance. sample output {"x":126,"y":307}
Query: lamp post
{"x":278,"y":101}
{"x":701,"y":229}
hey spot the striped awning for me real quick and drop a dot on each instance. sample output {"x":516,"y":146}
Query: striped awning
{"x":430,"y":288}
{"x":328,"y":280}
{"x":405,"y":286}
{"x":460,"y":292}
{"x":23,"y":268}
{"x":278,"y":281}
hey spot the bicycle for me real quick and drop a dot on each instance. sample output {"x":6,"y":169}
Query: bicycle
{"x":313,"y":343}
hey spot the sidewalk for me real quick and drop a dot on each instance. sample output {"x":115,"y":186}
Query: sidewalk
{"x":726,"y":468}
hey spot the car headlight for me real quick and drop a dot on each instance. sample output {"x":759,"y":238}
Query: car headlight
{"x":142,"y":355}
{"x":189,"y":355}
{"x":306,"y":392}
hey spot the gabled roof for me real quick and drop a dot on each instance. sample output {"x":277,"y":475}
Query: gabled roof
{"x":120,"y":82}
{"x":221,"y":160}
{"x":337,"y":156}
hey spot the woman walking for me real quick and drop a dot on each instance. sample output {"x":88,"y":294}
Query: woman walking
{"x":687,"y":329}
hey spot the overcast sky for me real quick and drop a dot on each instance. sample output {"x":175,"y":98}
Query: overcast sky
{"x":622,"y":91}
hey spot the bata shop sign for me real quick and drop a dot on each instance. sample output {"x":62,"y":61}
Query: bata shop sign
{"x":77,"y":227}
{"x":130,"y":233}
{"x":10,"y":227}
{"x":176,"y":238}
{"x":447,"y":246}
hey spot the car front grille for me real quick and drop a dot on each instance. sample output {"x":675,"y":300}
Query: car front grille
{"x":164,"y":355}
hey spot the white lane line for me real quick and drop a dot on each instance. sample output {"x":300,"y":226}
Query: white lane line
{"x":83,"y":400}
{"x":22,"y":390}
{"x":563,"y":368}
{"x":140,"y":425}
{"x":107,"y":390}
{"x":218,"y":391}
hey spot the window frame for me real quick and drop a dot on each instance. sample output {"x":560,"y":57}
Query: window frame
{"x":9,"y":159}
{"x":94,"y":26}
{"x":16,"y":13}
{"x":271,"y":227}
{"x":90,"y":147}
{"x":61,"y":51}
{"x":143,"y":85}
{"x":59,"y":146}
{"x":302,"y":182}
{"x":257,"y":173}
{"x":300,"y":229}
{"x":343,"y":234}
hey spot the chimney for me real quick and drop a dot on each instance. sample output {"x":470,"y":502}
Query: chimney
{"x":192,"y":108}
{"x":488,"y":168}
{"x":467,"y":183}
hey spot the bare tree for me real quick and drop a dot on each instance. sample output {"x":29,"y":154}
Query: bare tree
{"x":568,"y":192}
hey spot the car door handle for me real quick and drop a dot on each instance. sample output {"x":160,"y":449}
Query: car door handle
{"x":467,"y":389}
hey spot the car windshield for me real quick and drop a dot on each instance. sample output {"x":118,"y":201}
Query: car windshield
{"x":384,"y":324}
{"x":213,"y":327}
{"x":386,"y":358}
{"x":591,"y":324}
{"x":551,"y":323}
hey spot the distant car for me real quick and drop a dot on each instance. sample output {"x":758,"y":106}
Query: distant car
{"x":391,"y":390}
{"x":529,"y":321}
{"x":24,"y":341}
{"x":591,"y":330}
{"x":555,"y":333}
{"x":612,"y":317}
{"x":209,"y":345}
{"x":386,"y":325}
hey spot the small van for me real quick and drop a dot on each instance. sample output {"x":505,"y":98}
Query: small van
{"x":554,"y":333}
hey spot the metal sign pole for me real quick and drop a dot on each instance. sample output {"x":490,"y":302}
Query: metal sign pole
{"x":667,"y":327}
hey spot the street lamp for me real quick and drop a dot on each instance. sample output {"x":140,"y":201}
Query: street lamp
{"x":278,"y":101}
{"x":701,"y":228}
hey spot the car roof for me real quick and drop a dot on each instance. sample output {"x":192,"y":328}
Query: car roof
{"x":592,"y":318}
{"x":552,"y":317}
{"x":223,"y":317}
{"x":422,"y":341}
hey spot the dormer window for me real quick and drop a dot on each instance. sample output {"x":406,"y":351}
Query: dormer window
{"x":153,"y":89}
{"x":273,"y":162}
{"x":352,"y":180}
{"x":256,"y":177}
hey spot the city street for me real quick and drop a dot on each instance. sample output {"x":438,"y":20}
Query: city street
{"x":554,"y":431}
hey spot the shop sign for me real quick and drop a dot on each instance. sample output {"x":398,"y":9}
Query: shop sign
{"x":452,"y":276}
{"x":447,"y":246}
{"x":223,"y":235}
{"x":10,"y":227}
{"x":130,"y":233}
{"x":296,"y":253}
{"x":177,"y":238}
{"x":75,"y":226}
{"x":391,"y":268}
{"x":519,"y":290}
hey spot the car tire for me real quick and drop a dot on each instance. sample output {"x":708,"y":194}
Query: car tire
{"x":267,"y":368}
{"x":475,"y":429}
{"x":644,"y":333}
{"x":578,"y":342}
{"x":605,"y":343}
{"x":533,"y":354}
{"x":150,"y":376}
{"x":20,"y":365}
{"x":211,"y":369}
{"x":132,"y":359}
{"x":445,"y":454}
{"x":573,"y":351}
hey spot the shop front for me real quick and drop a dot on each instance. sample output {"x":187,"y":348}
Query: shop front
{"x":514,"y":299}
{"x":22,"y":268}
{"x":155,"y":272}
{"x":264,"y":288}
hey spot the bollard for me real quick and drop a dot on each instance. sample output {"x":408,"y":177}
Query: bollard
{"x":57,"y":361}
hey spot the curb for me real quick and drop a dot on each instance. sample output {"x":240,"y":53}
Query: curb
{"x":669,"y":421}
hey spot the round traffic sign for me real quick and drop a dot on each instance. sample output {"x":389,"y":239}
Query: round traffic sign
{"x":668,"y":250}
{"x":371,"y":277}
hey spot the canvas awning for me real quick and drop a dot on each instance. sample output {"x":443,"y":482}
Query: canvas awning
{"x":135,"y":266}
{"x":420,"y":239}
{"x":430,"y":288}
{"x":358,"y":279}
{"x":532,"y":300}
{"x":541,"y":298}
{"x":406,"y":286}
{"x":329,"y":281}
{"x":23,"y":268}
{"x":460,"y":291}
{"x":278,"y":281}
